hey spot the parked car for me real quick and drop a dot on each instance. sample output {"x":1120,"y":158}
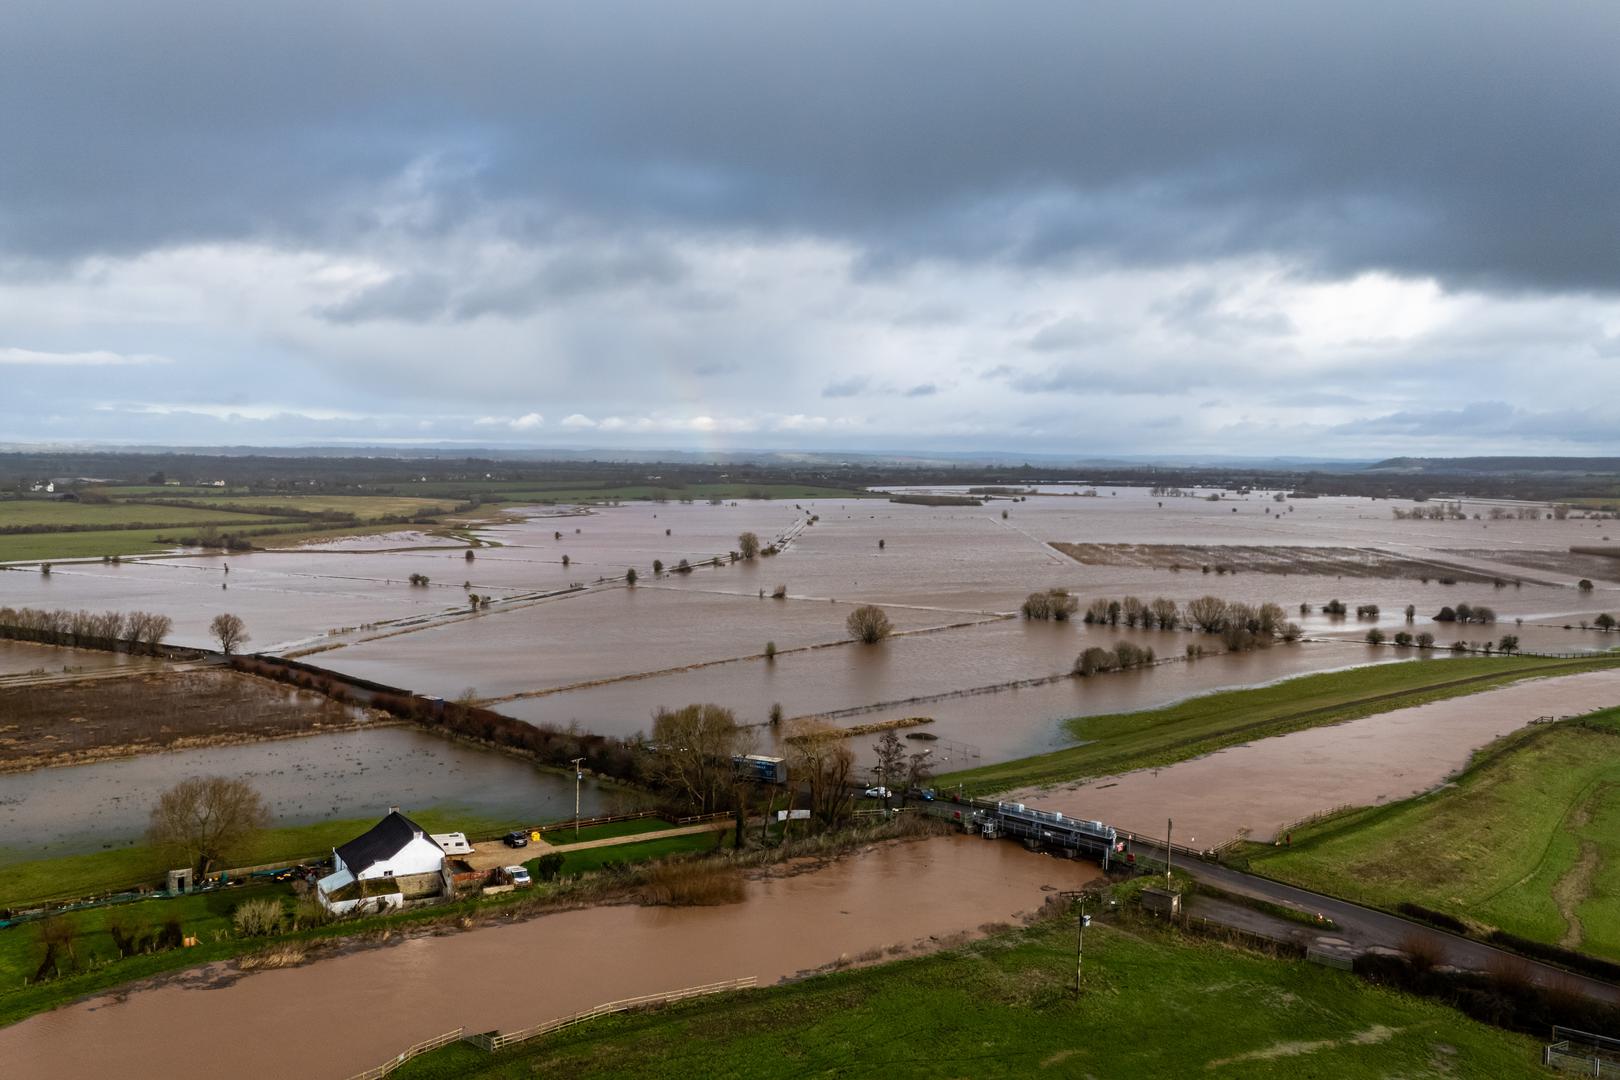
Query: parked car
{"x":519,"y":876}
{"x":877,"y":793}
{"x":925,"y":794}
{"x":516,"y":838}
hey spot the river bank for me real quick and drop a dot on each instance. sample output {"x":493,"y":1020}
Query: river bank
{"x":884,"y":898}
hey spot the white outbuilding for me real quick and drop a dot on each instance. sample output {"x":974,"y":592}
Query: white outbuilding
{"x":393,"y":861}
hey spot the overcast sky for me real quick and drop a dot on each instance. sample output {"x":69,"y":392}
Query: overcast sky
{"x":1190,"y":227}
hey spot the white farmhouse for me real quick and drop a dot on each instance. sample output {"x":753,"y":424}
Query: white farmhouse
{"x":394,"y":861}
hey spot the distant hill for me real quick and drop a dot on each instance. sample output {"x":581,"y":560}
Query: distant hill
{"x":1498,"y":466}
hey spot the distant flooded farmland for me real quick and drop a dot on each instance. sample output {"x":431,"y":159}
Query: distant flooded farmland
{"x":605,"y":656}
{"x":84,"y":808}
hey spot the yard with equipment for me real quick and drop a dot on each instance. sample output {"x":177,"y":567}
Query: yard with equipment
{"x":1526,"y":840}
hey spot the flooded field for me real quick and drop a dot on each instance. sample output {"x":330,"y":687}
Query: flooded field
{"x":505,"y":977}
{"x":936,"y":675}
{"x":605,"y":656}
{"x":83,"y":808}
{"x":1263,"y":785}
{"x":24,"y":658}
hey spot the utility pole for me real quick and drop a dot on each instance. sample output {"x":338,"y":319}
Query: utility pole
{"x":1080,"y":944}
{"x":578,"y":776}
{"x":1169,"y":827}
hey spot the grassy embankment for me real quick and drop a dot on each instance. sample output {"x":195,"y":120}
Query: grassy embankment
{"x":1526,"y":840}
{"x":1155,"y":1005}
{"x":1118,"y":742}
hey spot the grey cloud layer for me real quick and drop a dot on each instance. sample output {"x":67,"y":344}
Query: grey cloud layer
{"x":1473,"y":141}
{"x":1358,"y":227}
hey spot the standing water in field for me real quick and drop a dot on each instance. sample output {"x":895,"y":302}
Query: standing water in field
{"x":355,"y":774}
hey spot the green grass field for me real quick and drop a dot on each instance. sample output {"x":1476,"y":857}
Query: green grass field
{"x":1118,"y":742}
{"x":25,"y":882}
{"x":1527,"y":839}
{"x":60,"y":514}
{"x":1155,"y":1006}
{"x":612,"y":829}
{"x":363,"y":507}
{"x":593,"y":859}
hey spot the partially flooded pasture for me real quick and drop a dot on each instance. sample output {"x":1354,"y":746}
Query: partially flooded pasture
{"x":605,"y":634}
{"x":85,"y":808}
{"x":936,"y":675}
{"x":605,"y":656}
{"x":24,"y":658}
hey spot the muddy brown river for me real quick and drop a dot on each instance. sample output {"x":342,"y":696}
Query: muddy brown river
{"x":336,"y":1017}
{"x":1263,"y":785}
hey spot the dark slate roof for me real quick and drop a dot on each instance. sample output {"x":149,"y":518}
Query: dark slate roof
{"x":383,"y":841}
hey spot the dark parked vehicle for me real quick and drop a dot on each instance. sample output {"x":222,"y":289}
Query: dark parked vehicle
{"x":516,"y":838}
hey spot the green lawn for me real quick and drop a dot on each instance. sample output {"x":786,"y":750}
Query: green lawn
{"x":23,"y":883}
{"x":1155,"y":1006}
{"x":567,"y":835}
{"x":363,"y":507}
{"x":1118,"y":742}
{"x":206,"y":916}
{"x":61,"y":514}
{"x":592,"y":859}
{"x":1500,"y":846}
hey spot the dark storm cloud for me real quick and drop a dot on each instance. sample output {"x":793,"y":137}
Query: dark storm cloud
{"x":1471,"y":141}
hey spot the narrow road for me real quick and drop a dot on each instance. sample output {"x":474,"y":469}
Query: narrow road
{"x":1365,"y":926}
{"x":493,"y":853}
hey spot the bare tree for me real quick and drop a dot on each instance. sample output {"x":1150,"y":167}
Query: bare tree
{"x":747,"y":545}
{"x":868,"y":624}
{"x":891,"y":758}
{"x":205,"y":818}
{"x":230,"y":631}
{"x":1208,"y":613}
{"x":695,"y":748}
{"x":819,"y":756}
{"x":1165,"y":613}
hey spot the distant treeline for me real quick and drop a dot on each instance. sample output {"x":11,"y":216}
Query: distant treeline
{"x":307,"y":472}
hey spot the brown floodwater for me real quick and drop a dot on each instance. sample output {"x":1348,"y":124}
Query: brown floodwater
{"x":938,"y":566}
{"x":77,"y":809}
{"x":336,"y":1017}
{"x":23,"y":658}
{"x":1263,"y":785}
{"x":942,"y":669}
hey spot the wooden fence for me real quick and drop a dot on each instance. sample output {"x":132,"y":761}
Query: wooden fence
{"x":420,"y":1048}
{"x":494,"y":1041}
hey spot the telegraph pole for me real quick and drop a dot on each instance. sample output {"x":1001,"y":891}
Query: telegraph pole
{"x":578,"y":776}
{"x":1080,"y":944}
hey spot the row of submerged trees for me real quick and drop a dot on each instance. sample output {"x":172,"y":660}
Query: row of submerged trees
{"x":113,"y":631}
{"x":1241,"y":626}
